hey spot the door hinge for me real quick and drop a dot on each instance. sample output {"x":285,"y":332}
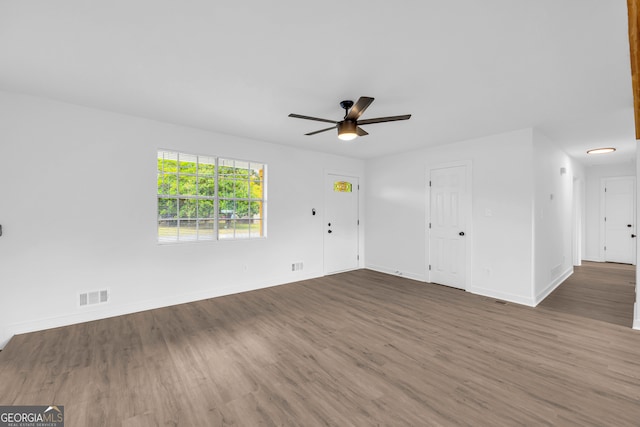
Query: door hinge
{"x":605,"y":248}
{"x":429,"y":267}
{"x":605,"y":219}
{"x":429,"y":225}
{"x":358,"y":222}
{"x":358,"y":257}
{"x":429,"y":183}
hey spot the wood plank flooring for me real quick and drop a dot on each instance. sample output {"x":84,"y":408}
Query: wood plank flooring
{"x":597,"y":290}
{"x":354,"y":349}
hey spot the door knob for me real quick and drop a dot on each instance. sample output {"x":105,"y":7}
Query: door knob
{"x":461,"y":233}
{"x":629,"y":225}
{"x":329,"y":224}
{"x":329,"y":231}
{"x":633,"y":235}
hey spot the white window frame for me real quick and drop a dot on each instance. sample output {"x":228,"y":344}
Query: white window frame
{"x":215,"y":198}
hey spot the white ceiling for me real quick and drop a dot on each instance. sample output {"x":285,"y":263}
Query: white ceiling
{"x":464,"y":69}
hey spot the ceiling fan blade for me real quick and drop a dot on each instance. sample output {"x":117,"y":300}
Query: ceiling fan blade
{"x":361,"y":132}
{"x":384,"y":119}
{"x":359,"y":107}
{"x":298,"y":116}
{"x":319,"y":131}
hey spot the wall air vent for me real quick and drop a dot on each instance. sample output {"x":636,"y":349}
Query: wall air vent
{"x":94,"y":297}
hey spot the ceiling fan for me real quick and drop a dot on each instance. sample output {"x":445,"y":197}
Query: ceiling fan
{"x":349,"y":128}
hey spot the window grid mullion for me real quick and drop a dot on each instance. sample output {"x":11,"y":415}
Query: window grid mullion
{"x":216,"y":201}
{"x":178,"y":194}
{"x":181,"y":172}
{"x":197,"y":202}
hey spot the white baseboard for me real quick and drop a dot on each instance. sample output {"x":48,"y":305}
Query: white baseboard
{"x":518,"y":299}
{"x":553,"y":285}
{"x":636,"y":316}
{"x":106,"y":311}
{"x":395,"y":272}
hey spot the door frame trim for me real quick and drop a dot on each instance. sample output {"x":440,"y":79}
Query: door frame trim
{"x":469,"y":218}
{"x":325,"y":179}
{"x":578,"y":220}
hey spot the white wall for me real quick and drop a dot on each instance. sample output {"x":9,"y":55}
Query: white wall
{"x":554,"y":174}
{"x":78,"y":210}
{"x":594,"y":240}
{"x":500,"y":236}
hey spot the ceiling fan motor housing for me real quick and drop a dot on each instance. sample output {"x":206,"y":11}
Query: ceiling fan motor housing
{"x":347,"y":126}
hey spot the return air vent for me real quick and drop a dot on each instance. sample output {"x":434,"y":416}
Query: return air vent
{"x":94,"y":297}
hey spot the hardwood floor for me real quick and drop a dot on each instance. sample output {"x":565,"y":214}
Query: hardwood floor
{"x":355,"y":349}
{"x":600,"y":291}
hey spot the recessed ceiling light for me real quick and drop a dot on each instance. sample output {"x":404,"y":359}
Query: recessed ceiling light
{"x":601,"y":150}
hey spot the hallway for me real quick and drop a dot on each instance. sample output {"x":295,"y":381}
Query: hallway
{"x":599,"y":291}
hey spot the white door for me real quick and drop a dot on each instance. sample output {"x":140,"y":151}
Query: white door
{"x":341,"y":224}
{"x":619,"y":223}
{"x":447,"y":232}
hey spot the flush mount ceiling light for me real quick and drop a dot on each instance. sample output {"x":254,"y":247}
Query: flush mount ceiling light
{"x":601,"y":150}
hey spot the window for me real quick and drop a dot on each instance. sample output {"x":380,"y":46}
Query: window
{"x":241,"y":199}
{"x":204,"y":198}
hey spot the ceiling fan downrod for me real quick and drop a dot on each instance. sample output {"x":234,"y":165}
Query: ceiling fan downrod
{"x":347,"y":106}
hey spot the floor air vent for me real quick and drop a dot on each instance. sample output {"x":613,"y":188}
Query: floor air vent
{"x":94,"y":297}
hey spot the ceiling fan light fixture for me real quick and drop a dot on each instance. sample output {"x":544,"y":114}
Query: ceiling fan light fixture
{"x":347,"y":130}
{"x":601,"y":150}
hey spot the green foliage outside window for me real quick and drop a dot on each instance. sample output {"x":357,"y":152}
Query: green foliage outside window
{"x":187,"y":191}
